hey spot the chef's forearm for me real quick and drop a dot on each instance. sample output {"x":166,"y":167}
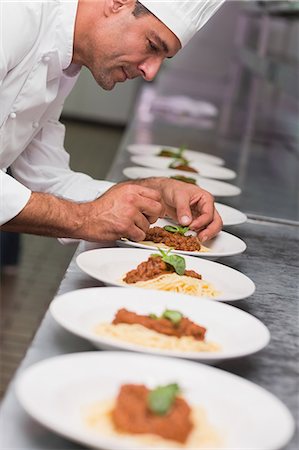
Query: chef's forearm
{"x":47,"y":215}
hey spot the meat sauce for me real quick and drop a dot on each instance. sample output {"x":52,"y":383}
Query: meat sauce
{"x":153,"y":268}
{"x":174,"y":240}
{"x":161,"y":325}
{"x":185,"y":179}
{"x":185,"y":168}
{"x":132,"y":415}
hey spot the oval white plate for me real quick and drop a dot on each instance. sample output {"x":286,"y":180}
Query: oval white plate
{"x":204,"y":170}
{"x":224,"y":244}
{"x":237,"y":332}
{"x":229,"y":215}
{"x":55,"y":392}
{"x":215,"y":187}
{"x":154,"y":150}
{"x":109,"y":265}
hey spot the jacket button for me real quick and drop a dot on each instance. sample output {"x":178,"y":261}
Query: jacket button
{"x":46,"y":58}
{"x":12,"y":115}
{"x":35,"y":124}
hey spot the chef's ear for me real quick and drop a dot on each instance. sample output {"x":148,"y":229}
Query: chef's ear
{"x":114,"y":6}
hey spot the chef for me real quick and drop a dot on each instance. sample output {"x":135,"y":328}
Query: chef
{"x":43,"y":46}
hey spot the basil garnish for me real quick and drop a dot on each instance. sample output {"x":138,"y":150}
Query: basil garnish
{"x":176,"y":261}
{"x":172,"y":153}
{"x":176,"y":229}
{"x":161,"y":399}
{"x":153,"y":316}
{"x":180,"y":161}
{"x":174,"y":316}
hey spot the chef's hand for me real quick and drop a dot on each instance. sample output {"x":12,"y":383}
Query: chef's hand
{"x":189,"y":205}
{"x":125,"y":210}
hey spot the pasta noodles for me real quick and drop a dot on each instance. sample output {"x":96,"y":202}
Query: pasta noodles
{"x":178,"y":283}
{"x":203,"y":249}
{"x":140,"y":335}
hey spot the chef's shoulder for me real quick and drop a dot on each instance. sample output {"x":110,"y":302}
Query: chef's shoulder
{"x":21,"y":22}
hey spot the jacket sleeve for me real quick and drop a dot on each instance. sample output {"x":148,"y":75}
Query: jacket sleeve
{"x":13,"y":197}
{"x":44,"y":167}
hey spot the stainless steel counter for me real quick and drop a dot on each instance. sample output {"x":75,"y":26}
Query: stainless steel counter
{"x":268,"y":178}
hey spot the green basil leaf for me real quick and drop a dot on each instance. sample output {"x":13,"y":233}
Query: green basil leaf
{"x":181,"y":150}
{"x":176,"y":229}
{"x":183,"y":230}
{"x":161,"y":399}
{"x":153,"y":316}
{"x":171,"y":228}
{"x":174,"y":316}
{"x":166,"y":152}
{"x":177,"y":262}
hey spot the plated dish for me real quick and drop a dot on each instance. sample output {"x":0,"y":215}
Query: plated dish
{"x":224,"y":331}
{"x":224,"y":244}
{"x":215,"y":187}
{"x":119,"y":267}
{"x":188,"y":167}
{"x":76,"y":395}
{"x":230,"y":216}
{"x":155,"y":150}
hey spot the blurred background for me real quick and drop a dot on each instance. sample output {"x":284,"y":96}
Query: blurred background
{"x":245,"y":63}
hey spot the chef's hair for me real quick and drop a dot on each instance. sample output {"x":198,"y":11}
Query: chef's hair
{"x":140,"y":10}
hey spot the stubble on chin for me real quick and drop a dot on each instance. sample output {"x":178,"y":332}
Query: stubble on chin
{"x":104,"y":81}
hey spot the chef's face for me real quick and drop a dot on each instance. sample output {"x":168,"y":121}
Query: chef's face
{"x":127,"y":47}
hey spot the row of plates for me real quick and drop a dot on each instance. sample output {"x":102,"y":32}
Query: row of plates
{"x":210,"y":168}
{"x":56,"y":391}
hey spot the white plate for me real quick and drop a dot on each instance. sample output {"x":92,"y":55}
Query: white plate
{"x":55,"y":392}
{"x":215,"y":187}
{"x":224,"y":244}
{"x":154,"y":150}
{"x":109,"y":265}
{"x":204,"y":170}
{"x":229,"y":215}
{"x":237,"y":332}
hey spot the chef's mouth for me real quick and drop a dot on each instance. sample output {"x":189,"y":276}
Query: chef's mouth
{"x":125,"y":73}
{"x":129,"y":76}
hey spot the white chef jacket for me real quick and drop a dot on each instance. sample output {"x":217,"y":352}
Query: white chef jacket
{"x":36,"y":75}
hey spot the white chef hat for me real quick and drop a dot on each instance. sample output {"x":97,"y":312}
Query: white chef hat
{"x":183,"y":17}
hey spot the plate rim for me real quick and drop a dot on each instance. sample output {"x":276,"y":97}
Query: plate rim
{"x":204,"y":261}
{"x":57,"y":428}
{"x":205,"y":255}
{"x":236,"y":189}
{"x":214,"y":157}
{"x":198,"y":356}
{"x":231,"y":174}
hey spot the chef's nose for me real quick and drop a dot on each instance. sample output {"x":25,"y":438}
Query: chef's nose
{"x":150,"y":67}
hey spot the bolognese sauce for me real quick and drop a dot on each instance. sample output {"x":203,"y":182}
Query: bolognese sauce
{"x":184,"y":327}
{"x":174,"y":240}
{"x":131,"y":414}
{"x":153,"y":268}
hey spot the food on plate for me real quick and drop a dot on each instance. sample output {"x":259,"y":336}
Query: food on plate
{"x":167,"y":272}
{"x":159,"y":417}
{"x":171,"y":323}
{"x":182,"y":164}
{"x":185,"y":179}
{"x":172,"y":153}
{"x":160,"y":411}
{"x":170,"y":331}
{"x":175,"y":237}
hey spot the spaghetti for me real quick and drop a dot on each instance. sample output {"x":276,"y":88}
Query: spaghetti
{"x":178,"y":283}
{"x":140,"y":335}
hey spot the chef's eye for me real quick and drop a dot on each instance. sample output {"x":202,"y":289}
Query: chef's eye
{"x":153,"y":47}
